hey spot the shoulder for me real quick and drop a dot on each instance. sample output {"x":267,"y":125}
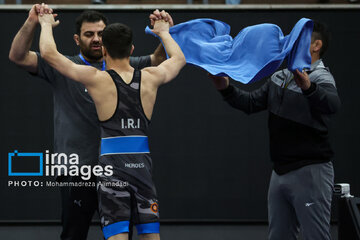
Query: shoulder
{"x":322,"y":75}
{"x":152,"y":72}
{"x":152,"y":75}
{"x":102,"y":74}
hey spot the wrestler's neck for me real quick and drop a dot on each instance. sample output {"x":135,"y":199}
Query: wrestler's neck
{"x":119,"y":64}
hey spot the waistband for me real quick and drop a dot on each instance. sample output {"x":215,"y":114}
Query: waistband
{"x":124,"y":145}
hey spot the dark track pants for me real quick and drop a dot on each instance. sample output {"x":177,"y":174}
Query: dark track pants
{"x":301,"y":200}
{"x":78,"y":207}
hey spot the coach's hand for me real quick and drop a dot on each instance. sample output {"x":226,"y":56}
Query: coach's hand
{"x":48,"y":19}
{"x":38,"y":9}
{"x":220,"y":82}
{"x":157,"y":15}
{"x":302,"y":79}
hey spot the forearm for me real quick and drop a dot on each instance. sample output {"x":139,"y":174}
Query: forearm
{"x":158,"y":56}
{"x":237,"y":98}
{"x":47,"y":44}
{"x":248,"y":102}
{"x":20,"y":47}
{"x":323,"y":98}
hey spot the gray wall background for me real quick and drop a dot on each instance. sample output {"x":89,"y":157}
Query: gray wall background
{"x":211,"y":162}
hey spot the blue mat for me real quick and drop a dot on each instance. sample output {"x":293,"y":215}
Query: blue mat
{"x":256,"y":52}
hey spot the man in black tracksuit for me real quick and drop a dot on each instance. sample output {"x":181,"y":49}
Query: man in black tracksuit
{"x":300,"y":106}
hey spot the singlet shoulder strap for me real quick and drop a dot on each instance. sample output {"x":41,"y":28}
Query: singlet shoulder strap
{"x":137,"y":76}
{"x":113,"y":74}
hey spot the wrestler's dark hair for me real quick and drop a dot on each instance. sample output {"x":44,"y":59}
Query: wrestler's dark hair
{"x":321,"y":32}
{"x":89,"y":16}
{"x":118,"y":39}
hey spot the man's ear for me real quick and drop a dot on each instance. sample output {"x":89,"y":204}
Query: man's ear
{"x":77,"y":39}
{"x":132,"y":49}
{"x":317,"y":45}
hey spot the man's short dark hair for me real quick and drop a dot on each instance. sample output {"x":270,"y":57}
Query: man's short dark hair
{"x":321,"y":32}
{"x":117,"y":39}
{"x":89,"y":16}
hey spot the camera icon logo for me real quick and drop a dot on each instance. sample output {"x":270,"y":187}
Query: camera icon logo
{"x":25,"y":164}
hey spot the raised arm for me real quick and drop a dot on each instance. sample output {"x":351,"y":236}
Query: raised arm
{"x":20,"y":52}
{"x":81,"y":73}
{"x":159,"y":54}
{"x":171,"y":67}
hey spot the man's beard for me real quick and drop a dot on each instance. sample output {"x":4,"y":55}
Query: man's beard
{"x":92,"y":55}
